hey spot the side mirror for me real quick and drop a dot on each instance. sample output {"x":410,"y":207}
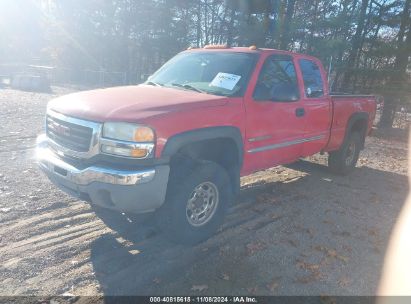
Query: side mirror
{"x":314,"y":92}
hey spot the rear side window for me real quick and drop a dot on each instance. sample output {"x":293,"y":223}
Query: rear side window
{"x":313,"y":82}
{"x":277,"y":80}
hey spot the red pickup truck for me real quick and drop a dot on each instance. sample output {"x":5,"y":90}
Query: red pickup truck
{"x":179,"y":143}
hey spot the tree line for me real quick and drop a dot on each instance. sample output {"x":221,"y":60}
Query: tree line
{"x":367,"y":43}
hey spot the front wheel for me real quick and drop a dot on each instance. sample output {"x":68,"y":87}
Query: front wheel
{"x":344,"y":160}
{"x":197,"y":199}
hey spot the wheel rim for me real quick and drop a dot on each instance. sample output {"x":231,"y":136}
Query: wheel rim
{"x":350,"y":154}
{"x":202,"y":204}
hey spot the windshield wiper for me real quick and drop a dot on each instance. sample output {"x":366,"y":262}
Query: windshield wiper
{"x":152,"y":83}
{"x":188,"y":87}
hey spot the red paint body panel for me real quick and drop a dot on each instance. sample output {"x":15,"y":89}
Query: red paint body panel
{"x":343,"y":108}
{"x":271,"y":123}
{"x":231,"y":114}
{"x":262,"y":124}
{"x":318,"y":114}
{"x":132,"y":103}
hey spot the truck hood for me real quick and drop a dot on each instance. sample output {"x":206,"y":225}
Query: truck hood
{"x":131,"y":103}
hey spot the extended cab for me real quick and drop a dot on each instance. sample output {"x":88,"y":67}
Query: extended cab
{"x":179,"y":143}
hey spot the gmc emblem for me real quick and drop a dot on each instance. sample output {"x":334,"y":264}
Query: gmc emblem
{"x":62,"y":130}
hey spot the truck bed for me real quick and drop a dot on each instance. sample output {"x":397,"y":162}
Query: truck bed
{"x":343,"y":107}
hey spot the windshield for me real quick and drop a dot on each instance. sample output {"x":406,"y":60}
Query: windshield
{"x":224,"y":74}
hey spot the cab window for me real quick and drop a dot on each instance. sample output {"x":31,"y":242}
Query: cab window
{"x":313,"y":82}
{"x":277,"y":80}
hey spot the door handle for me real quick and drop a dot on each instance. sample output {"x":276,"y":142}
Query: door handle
{"x":299,"y":112}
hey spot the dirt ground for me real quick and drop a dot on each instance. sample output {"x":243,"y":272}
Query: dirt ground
{"x":295,"y":230}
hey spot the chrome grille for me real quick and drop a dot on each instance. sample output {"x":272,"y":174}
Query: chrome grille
{"x":69,"y":135}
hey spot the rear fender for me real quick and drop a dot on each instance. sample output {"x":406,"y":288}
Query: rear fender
{"x":354,"y":119}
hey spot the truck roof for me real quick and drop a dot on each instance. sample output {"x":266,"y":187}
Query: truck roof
{"x":251,"y":49}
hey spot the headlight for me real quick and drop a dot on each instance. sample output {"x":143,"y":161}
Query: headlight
{"x":128,"y":132}
{"x":126,"y":139}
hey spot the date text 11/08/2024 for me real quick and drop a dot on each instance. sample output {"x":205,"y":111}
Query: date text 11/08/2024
{"x":203,"y":300}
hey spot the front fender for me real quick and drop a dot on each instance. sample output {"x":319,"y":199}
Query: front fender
{"x":176,"y":142}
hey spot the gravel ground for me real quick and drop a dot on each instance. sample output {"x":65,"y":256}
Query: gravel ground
{"x":295,"y":230}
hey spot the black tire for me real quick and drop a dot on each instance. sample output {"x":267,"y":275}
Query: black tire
{"x":343,"y":161}
{"x":185,"y":180}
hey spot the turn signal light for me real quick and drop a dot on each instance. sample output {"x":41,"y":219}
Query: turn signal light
{"x":143,"y":134}
{"x":138,"y":153}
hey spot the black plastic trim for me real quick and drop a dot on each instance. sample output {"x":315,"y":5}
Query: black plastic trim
{"x":176,"y":142}
{"x":352,"y":120}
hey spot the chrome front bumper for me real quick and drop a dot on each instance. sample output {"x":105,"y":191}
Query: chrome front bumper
{"x":135,"y":191}
{"x":49,"y":161}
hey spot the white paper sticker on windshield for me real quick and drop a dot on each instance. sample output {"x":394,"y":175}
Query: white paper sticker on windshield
{"x":225,"y":81}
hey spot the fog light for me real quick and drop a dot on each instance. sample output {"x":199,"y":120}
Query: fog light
{"x":128,"y":152}
{"x":139,"y":153}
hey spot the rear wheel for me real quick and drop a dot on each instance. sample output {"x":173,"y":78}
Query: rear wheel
{"x":197,"y":198}
{"x":344,"y":160}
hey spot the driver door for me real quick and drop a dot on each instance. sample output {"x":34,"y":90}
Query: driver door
{"x":275,"y":122}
